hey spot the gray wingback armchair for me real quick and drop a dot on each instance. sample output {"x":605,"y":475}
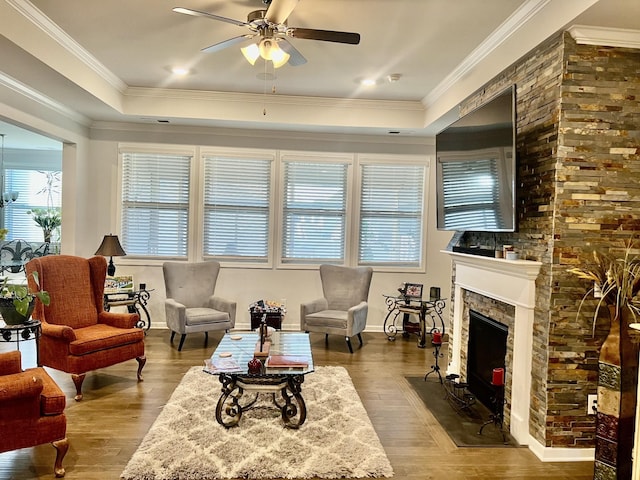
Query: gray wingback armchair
{"x":343,"y":309}
{"x":190,"y":304}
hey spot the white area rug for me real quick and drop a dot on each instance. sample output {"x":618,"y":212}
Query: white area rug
{"x":336,"y":441}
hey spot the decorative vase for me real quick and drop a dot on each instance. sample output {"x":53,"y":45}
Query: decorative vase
{"x":255,"y":366}
{"x":617,"y":392}
{"x":10,"y":315}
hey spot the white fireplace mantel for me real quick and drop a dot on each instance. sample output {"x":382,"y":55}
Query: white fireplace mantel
{"x":512,"y":282}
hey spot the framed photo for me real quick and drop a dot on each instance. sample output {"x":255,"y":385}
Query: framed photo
{"x":122,"y":283}
{"x":413,"y":291}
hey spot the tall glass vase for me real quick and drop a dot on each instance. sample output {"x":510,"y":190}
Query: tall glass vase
{"x":617,"y":386}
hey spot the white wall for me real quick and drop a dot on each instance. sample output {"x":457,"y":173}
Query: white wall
{"x":90,"y":203}
{"x":246,"y":285}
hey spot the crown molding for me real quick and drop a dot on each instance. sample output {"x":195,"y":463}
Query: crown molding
{"x":273,"y":99}
{"x":607,"y":37}
{"x":253,"y":132}
{"x":42,"y":100}
{"x":517,"y":20}
{"x":44,"y":23}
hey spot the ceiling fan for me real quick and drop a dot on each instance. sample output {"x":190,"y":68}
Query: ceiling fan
{"x":270,"y":26}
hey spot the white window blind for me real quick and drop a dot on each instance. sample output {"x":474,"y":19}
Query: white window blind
{"x":314,"y":212}
{"x":471,"y":194}
{"x":237,"y":195}
{"x":34,"y":191}
{"x":391,"y":214}
{"x":155,"y":204}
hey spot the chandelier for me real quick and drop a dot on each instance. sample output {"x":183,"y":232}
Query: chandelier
{"x":5,"y":197}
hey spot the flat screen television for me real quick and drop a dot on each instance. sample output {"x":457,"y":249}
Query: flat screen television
{"x":475,"y":169}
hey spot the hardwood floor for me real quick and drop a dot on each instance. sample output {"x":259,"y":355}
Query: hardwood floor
{"x":106,"y":427}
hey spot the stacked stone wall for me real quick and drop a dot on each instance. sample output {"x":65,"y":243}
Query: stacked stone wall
{"x":578,"y":183}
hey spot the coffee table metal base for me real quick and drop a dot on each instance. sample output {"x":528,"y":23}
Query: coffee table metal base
{"x":232,"y":402}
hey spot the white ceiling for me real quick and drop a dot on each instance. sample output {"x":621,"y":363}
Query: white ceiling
{"x":97,"y":61}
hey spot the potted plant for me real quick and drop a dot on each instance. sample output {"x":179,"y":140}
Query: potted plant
{"x":48,"y":218}
{"x":17,"y":301}
{"x":616,"y":284}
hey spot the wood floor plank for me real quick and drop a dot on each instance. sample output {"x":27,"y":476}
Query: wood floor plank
{"x":106,"y":427}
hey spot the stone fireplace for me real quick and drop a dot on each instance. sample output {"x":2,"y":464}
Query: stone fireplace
{"x":486,"y":351}
{"x":510,"y":283}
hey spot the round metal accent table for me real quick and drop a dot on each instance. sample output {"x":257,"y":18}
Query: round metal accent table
{"x":29,"y":330}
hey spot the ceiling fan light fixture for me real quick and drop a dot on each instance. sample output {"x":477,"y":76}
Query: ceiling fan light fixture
{"x":251,"y":53}
{"x":270,"y":50}
{"x":279,"y":57}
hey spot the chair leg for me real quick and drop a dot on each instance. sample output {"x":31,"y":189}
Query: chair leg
{"x":77,"y":381}
{"x":61,"y":447}
{"x":173,"y":334}
{"x":141,"y":362}
{"x":349,"y":344}
{"x":206,"y":338}
{"x":326,"y":339}
{"x":360,"y":338}
{"x":184,"y":335}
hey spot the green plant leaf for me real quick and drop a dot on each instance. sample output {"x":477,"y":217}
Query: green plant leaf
{"x":44,"y":297}
{"x":22,"y":305}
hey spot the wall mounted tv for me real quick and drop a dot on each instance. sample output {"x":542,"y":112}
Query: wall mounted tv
{"x":475,"y":169}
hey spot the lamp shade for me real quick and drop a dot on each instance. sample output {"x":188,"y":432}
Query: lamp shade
{"x":110,"y":247}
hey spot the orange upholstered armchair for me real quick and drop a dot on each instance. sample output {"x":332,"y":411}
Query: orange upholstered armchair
{"x":31,"y":409}
{"x":77,"y":334}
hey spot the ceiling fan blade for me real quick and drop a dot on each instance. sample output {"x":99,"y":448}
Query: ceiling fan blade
{"x":198,"y":13}
{"x":227,"y":43}
{"x":295,"y":57}
{"x":324,"y":35}
{"x":279,"y":10}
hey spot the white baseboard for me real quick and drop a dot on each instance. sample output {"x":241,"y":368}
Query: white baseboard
{"x":561,"y":454}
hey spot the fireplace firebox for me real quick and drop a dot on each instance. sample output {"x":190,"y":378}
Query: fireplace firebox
{"x":487,"y":349}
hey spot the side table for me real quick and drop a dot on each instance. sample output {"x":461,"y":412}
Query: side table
{"x":428,"y":311}
{"x":134,"y":300}
{"x":30,"y":330}
{"x":272,"y":311}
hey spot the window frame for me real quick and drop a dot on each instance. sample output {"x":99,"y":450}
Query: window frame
{"x":195,"y":229}
{"x":240,"y":153}
{"x":383,"y":159}
{"x":314,"y":157}
{"x":155,"y":149}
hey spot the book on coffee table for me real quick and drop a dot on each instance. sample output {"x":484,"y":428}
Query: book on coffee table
{"x":287,"y":361}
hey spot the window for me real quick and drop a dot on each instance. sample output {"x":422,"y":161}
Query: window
{"x":155,"y":203}
{"x":391,"y":214}
{"x":237,"y":198}
{"x":37,"y":189}
{"x":314,"y":212}
{"x":262,"y":207}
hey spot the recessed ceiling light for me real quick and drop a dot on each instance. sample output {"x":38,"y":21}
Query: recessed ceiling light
{"x":180,"y":71}
{"x":367,"y":82}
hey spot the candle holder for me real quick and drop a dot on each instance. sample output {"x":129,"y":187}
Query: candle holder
{"x":436,"y":341}
{"x":497,"y":403}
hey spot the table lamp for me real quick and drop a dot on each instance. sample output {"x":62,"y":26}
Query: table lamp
{"x":110,"y":247}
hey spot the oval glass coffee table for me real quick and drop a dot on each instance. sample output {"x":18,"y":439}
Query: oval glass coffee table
{"x":281,"y":372}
